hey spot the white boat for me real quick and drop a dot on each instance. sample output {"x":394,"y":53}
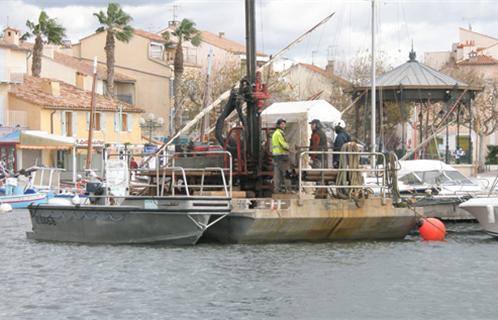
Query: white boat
{"x":420,"y":175}
{"x":484,"y":210}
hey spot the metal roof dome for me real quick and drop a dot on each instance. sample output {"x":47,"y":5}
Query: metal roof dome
{"x":415,"y":75}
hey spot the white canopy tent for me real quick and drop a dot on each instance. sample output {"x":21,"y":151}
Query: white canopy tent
{"x":298,"y":114}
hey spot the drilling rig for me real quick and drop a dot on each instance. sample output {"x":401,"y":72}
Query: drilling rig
{"x":252,"y":158}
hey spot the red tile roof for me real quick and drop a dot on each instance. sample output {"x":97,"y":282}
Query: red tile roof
{"x":149,"y":35}
{"x":478,"y":60}
{"x":5,"y":44}
{"x":224,"y":43}
{"x":325,"y":74}
{"x":86,"y":67}
{"x":71,"y":98}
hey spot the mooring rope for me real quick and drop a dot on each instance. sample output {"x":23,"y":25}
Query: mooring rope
{"x":349,"y":177}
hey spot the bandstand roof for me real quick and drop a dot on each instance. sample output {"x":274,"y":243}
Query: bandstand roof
{"x":415,"y":75}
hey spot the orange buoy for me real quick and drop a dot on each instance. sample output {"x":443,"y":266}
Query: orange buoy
{"x":432,"y":229}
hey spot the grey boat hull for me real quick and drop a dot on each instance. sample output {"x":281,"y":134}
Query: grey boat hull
{"x":287,"y":220}
{"x":175,"y":221}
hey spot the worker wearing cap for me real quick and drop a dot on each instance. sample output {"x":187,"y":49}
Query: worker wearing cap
{"x":341,"y":138}
{"x":280,"y":153}
{"x":318,"y":142}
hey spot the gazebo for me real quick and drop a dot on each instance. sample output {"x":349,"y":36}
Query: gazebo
{"x":422,"y":86}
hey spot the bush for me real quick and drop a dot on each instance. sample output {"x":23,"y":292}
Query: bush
{"x":492,"y":157}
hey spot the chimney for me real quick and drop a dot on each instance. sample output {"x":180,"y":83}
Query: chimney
{"x":80,"y":81}
{"x":51,"y":87}
{"x":11,"y":35}
{"x":221,"y":34}
{"x":330,"y":67}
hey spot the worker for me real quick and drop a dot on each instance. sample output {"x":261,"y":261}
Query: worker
{"x":280,"y":153}
{"x":341,"y":138}
{"x":318,"y":142}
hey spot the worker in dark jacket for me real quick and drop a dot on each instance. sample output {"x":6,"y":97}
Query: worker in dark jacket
{"x":318,"y":142}
{"x":341,"y":138}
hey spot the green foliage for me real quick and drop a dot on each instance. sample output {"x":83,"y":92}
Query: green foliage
{"x":47,"y":28}
{"x":117,"y":21}
{"x":492,"y":156}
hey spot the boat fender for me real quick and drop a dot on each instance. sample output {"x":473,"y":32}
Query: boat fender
{"x":5,"y":207}
{"x":491,"y":214}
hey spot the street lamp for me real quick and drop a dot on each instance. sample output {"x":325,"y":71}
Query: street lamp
{"x":151,"y":124}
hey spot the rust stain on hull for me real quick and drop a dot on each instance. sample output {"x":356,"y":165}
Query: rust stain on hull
{"x":313,"y":220}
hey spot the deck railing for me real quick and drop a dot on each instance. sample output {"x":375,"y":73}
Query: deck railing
{"x":324,"y":174}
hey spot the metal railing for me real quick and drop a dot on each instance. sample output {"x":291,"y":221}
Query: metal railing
{"x":225,"y":187}
{"x":377,"y":171}
{"x":165,"y":168}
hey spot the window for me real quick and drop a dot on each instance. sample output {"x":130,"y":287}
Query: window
{"x":61,"y":158}
{"x":156,"y":50}
{"x":124,"y":122}
{"x":98,"y":123}
{"x":69,"y":124}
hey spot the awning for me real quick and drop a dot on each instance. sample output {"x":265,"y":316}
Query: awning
{"x":41,"y":140}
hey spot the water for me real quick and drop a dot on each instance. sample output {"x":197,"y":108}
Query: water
{"x":407,"y":279}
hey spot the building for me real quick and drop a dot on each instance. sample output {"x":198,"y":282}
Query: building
{"x":309,"y":81}
{"x":478,"y":53}
{"x":58,"y":111}
{"x":12,"y":68}
{"x":79,"y":72}
{"x":223,"y":51}
{"x":141,"y":59}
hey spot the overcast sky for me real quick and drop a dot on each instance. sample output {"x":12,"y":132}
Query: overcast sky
{"x":432,"y":25}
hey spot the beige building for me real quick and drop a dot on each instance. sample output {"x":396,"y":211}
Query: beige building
{"x":62,"y":110}
{"x":223,"y":51}
{"x":141,"y":59}
{"x":12,"y":67}
{"x":308,"y":81}
{"x":475,"y":52}
{"x":79,"y":72}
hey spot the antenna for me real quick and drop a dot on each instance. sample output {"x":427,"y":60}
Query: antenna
{"x":175,"y":11}
{"x":313,"y":53}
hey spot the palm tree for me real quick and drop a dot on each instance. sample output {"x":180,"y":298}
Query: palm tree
{"x":185,"y":31}
{"x":115,"y":22}
{"x":47,"y":29}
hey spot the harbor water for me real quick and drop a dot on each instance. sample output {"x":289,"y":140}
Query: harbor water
{"x":408,"y":279}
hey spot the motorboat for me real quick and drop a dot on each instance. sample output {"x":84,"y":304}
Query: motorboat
{"x":484,"y":209}
{"x":109,"y":215}
{"x":437,"y":187}
{"x":172,"y":220}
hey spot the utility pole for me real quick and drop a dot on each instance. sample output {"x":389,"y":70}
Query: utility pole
{"x":92,"y":116}
{"x":372,"y":97}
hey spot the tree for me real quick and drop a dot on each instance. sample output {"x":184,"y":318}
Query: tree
{"x":116,"y":23}
{"x":184,"y":32}
{"x":46,"y":30}
{"x":484,"y":106}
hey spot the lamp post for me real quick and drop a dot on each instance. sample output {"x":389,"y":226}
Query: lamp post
{"x":151,"y":124}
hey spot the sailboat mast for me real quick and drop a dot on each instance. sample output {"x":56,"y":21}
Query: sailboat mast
{"x":373,"y":93}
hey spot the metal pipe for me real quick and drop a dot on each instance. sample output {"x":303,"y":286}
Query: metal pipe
{"x":373,"y":93}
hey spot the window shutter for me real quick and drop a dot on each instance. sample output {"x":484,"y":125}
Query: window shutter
{"x":88,"y":121}
{"x":102,"y":121}
{"x":129,"y":121}
{"x":2,"y":112}
{"x":63,"y":123}
{"x":116,"y":121}
{"x":75,"y":124}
